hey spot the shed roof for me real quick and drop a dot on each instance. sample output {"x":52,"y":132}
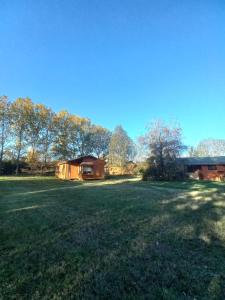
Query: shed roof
{"x":87,"y":163}
{"x":190,"y":161}
{"x":82,"y":158}
{"x":77,"y":160}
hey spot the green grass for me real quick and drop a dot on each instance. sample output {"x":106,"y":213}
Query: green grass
{"x":114,"y":239}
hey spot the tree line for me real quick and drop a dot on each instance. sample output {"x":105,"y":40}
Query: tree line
{"x":163,"y":144}
{"x":36,"y":135}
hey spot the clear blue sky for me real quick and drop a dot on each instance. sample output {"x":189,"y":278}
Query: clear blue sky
{"x":119,"y":62}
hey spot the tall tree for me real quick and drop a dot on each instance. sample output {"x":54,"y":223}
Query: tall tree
{"x":121,"y":148}
{"x":4,"y":126}
{"x":62,"y":137}
{"x":48,"y":135}
{"x":100,"y":141}
{"x":21,"y":111}
{"x":35,"y":127}
{"x":84,"y":137}
{"x":72,"y":136}
{"x":165,"y":146}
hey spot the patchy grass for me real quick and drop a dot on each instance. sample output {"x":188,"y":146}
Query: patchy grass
{"x":114,"y":239}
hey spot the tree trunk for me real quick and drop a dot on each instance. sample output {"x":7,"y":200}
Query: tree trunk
{"x":18,"y":162}
{"x":2,"y":146}
{"x":45,"y":161}
{"x":1,"y":157}
{"x":18,"y":154}
{"x":33,"y":162}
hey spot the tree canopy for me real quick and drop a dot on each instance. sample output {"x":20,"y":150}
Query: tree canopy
{"x":208,"y":147}
{"x":164,"y":143}
{"x":121,"y":147}
{"x":35,"y":134}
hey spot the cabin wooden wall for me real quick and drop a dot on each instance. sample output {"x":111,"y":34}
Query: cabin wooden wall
{"x":71,"y":170}
{"x":98,"y":170}
{"x":62,"y":171}
{"x":74,"y":171}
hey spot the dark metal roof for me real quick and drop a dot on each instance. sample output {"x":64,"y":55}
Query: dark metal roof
{"x":82,"y":158}
{"x":190,"y":161}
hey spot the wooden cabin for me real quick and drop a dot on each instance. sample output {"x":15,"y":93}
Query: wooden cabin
{"x":205,"y":168}
{"x":82,"y":168}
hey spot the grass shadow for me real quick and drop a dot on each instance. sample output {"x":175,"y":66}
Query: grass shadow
{"x":113,"y":240}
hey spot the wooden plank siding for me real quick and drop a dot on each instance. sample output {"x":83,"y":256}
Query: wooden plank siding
{"x":75,"y":169}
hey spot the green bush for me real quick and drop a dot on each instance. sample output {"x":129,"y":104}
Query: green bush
{"x":169,"y":173}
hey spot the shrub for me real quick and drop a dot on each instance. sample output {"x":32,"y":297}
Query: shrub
{"x":171,"y":171}
{"x":9,"y":167}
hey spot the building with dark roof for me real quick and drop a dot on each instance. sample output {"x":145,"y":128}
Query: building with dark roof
{"x":206,"y":168}
{"x":81,"y":168}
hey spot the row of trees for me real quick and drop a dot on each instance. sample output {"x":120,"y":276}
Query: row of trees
{"x":163,"y":145}
{"x":36,"y":134}
{"x":208,"y":147}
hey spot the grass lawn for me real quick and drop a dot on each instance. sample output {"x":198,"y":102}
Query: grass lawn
{"x":113,"y":239}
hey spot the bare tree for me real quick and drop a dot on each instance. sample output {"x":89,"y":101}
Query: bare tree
{"x":165,"y":146}
{"x":209,"y":147}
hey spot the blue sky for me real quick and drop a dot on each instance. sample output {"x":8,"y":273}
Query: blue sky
{"x":119,"y":62}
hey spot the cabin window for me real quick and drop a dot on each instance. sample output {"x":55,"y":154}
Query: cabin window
{"x":211,"y":168}
{"x":87,"y":170}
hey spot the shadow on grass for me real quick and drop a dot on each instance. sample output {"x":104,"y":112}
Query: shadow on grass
{"x":169,"y":249}
{"x":114,"y":241}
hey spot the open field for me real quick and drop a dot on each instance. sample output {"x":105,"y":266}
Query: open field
{"x":114,"y":239}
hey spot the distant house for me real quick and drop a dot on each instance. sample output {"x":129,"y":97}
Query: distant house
{"x":82,"y":168}
{"x":206,"y":168}
{"x":128,"y":169}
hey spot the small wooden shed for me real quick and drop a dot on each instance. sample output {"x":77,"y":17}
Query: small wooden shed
{"x":82,"y":168}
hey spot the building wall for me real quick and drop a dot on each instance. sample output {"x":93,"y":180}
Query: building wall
{"x":205,"y":174}
{"x":98,"y":171}
{"x":217,"y":174}
{"x":72,"y":170}
{"x":127,"y":170}
{"x":62,"y":171}
{"x":114,"y":170}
